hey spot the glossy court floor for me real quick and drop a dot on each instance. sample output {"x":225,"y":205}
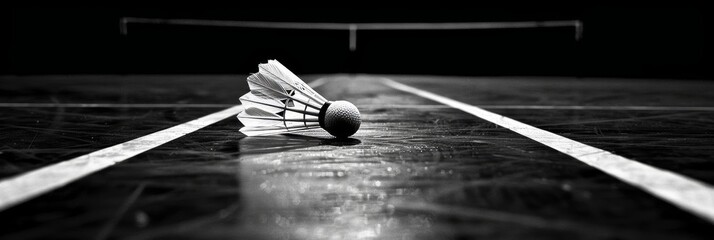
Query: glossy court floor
{"x":417,"y":168}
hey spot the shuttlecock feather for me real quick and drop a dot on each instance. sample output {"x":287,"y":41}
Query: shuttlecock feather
{"x":279,"y":102}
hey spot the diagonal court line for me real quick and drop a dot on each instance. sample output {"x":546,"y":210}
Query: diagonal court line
{"x":18,"y":189}
{"x":689,"y":194}
{"x":37,"y":182}
{"x":114,"y":105}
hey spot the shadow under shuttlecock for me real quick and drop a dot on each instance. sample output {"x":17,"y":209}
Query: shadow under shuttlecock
{"x":291,"y":141}
{"x":324,"y":139}
{"x":341,"y":141}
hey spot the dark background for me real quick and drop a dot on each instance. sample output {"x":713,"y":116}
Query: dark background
{"x":616,"y":42}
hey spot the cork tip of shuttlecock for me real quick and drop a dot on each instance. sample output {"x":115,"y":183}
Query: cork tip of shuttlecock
{"x":342,"y":119}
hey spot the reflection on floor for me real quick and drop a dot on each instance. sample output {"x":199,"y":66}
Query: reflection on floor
{"x":409,"y":173}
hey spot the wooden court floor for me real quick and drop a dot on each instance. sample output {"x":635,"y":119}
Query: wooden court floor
{"x":160,"y":157}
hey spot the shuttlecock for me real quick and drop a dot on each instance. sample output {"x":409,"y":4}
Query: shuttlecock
{"x":279,"y":102}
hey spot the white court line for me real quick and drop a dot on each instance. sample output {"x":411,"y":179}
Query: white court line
{"x":31,"y":184}
{"x":113,"y":105}
{"x":34,"y":183}
{"x":687,"y":193}
{"x":318,"y":82}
